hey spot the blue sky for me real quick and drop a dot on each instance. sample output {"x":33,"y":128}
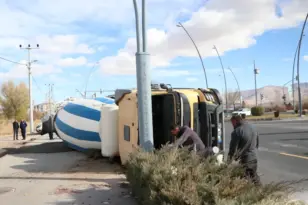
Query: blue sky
{"x":74,"y":35}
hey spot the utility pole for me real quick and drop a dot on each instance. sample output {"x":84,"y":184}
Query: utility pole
{"x":143,"y":84}
{"x":50,"y":89}
{"x":29,"y":48}
{"x":256,"y":71}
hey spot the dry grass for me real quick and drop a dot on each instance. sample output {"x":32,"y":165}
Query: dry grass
{"x":6,"y":127}
{"x":177,"y":177}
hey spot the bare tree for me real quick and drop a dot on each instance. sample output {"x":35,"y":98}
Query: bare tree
{"x":14,"y":100}
{"x":234,"y":97}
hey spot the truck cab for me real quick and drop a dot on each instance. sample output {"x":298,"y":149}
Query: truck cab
{"x":181,"y":106}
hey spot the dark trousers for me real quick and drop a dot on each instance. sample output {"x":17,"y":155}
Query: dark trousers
{"x":251,"y":172}
{"x":23,"y":133}
{"x":15,"y":136}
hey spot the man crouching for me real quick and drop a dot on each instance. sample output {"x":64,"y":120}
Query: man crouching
{"x":188,"y":137}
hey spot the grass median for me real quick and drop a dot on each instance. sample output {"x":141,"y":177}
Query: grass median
{"x":177,"y":177}
{"x":270,"y":116}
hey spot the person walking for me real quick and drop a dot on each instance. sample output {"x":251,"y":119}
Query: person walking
{"x":243,"y":147}
{"x":23,"y":128}
{"x":15,"y":130}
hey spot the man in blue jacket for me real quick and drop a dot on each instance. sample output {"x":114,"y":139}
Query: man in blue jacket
{"x":23,"y":128}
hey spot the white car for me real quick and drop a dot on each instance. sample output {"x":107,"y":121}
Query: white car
{"x":241,"y":111}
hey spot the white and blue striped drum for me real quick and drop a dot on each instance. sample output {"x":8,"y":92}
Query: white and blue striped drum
{"x":78,"y":123}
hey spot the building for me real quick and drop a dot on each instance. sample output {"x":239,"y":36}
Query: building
{"x":43,"y":107}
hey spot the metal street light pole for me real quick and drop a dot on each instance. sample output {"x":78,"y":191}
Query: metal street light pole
{"x":293,"y":78}
{"x":223,"y":70}
{"x":298,"y":57}
{"x":143,"y":84}
{"x":238,"y":86}
{"x":181,"y":25}
{"x":87,"y":81}
{"x":29,"y":48}
{"x":256,"y":71}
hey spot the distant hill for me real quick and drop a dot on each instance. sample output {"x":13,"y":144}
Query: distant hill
{"x":272,"y":95}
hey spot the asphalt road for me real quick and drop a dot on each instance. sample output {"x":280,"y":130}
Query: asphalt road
{"x":283,"y":151}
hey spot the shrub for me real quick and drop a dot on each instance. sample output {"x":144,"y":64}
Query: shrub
{"x":257,"y":111}
{"x":276,"y":113}
{"x":177,"y":177}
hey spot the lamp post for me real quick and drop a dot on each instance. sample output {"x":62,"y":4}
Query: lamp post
{"x":87,"y":81}
{"x":256,"y":72}
{"x":298,"y":57}
{"x":143,"y":84}
{"x":181,"y":25}
{"x":223,"y":70}
{"x":29,"y":48}
{"x":238,"y":85}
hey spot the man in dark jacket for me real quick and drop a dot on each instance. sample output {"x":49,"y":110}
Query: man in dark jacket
{"x":23,"y":128}
{"x":243,"y":147}
{"x":187,"y":137}
{"x":15,"y":129}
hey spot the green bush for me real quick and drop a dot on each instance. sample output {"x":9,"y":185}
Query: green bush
{"x":257,"y":111}
{"x":177,"y":177}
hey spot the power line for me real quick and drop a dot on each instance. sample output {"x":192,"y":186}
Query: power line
{"x":38,"y":87}
{"x":11,"y":61}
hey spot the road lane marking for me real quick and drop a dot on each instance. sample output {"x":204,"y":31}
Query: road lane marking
{"x":293,"y":155}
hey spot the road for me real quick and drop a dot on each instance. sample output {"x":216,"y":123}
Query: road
{"x":283,"y":151}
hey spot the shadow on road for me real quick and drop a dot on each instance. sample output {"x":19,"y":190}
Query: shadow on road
{"x":50,"y":147}
{"x":56,"y":157}
{"x":283,"y":133}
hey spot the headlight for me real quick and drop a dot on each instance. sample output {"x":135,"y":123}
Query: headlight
{"x":215,"y":150}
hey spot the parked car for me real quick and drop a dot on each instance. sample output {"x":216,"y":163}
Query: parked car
{"x":39,"y":128}
{"x":241,"y":111}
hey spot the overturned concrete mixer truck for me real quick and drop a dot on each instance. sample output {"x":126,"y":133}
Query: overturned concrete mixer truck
{"x":111,"y":125}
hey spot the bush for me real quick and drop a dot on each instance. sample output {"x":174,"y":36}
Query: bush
{"x":257,"y":111}
{"x":276,"y":113}
{"x":177,"y":177}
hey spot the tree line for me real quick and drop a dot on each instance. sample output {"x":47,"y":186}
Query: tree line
{"x":14,"y":100}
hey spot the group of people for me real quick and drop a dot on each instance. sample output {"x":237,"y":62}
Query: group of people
{"x":243,"y":145}
{"x":23,"y":127}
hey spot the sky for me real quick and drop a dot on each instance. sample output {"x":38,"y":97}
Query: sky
{"x":94,"y":41}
